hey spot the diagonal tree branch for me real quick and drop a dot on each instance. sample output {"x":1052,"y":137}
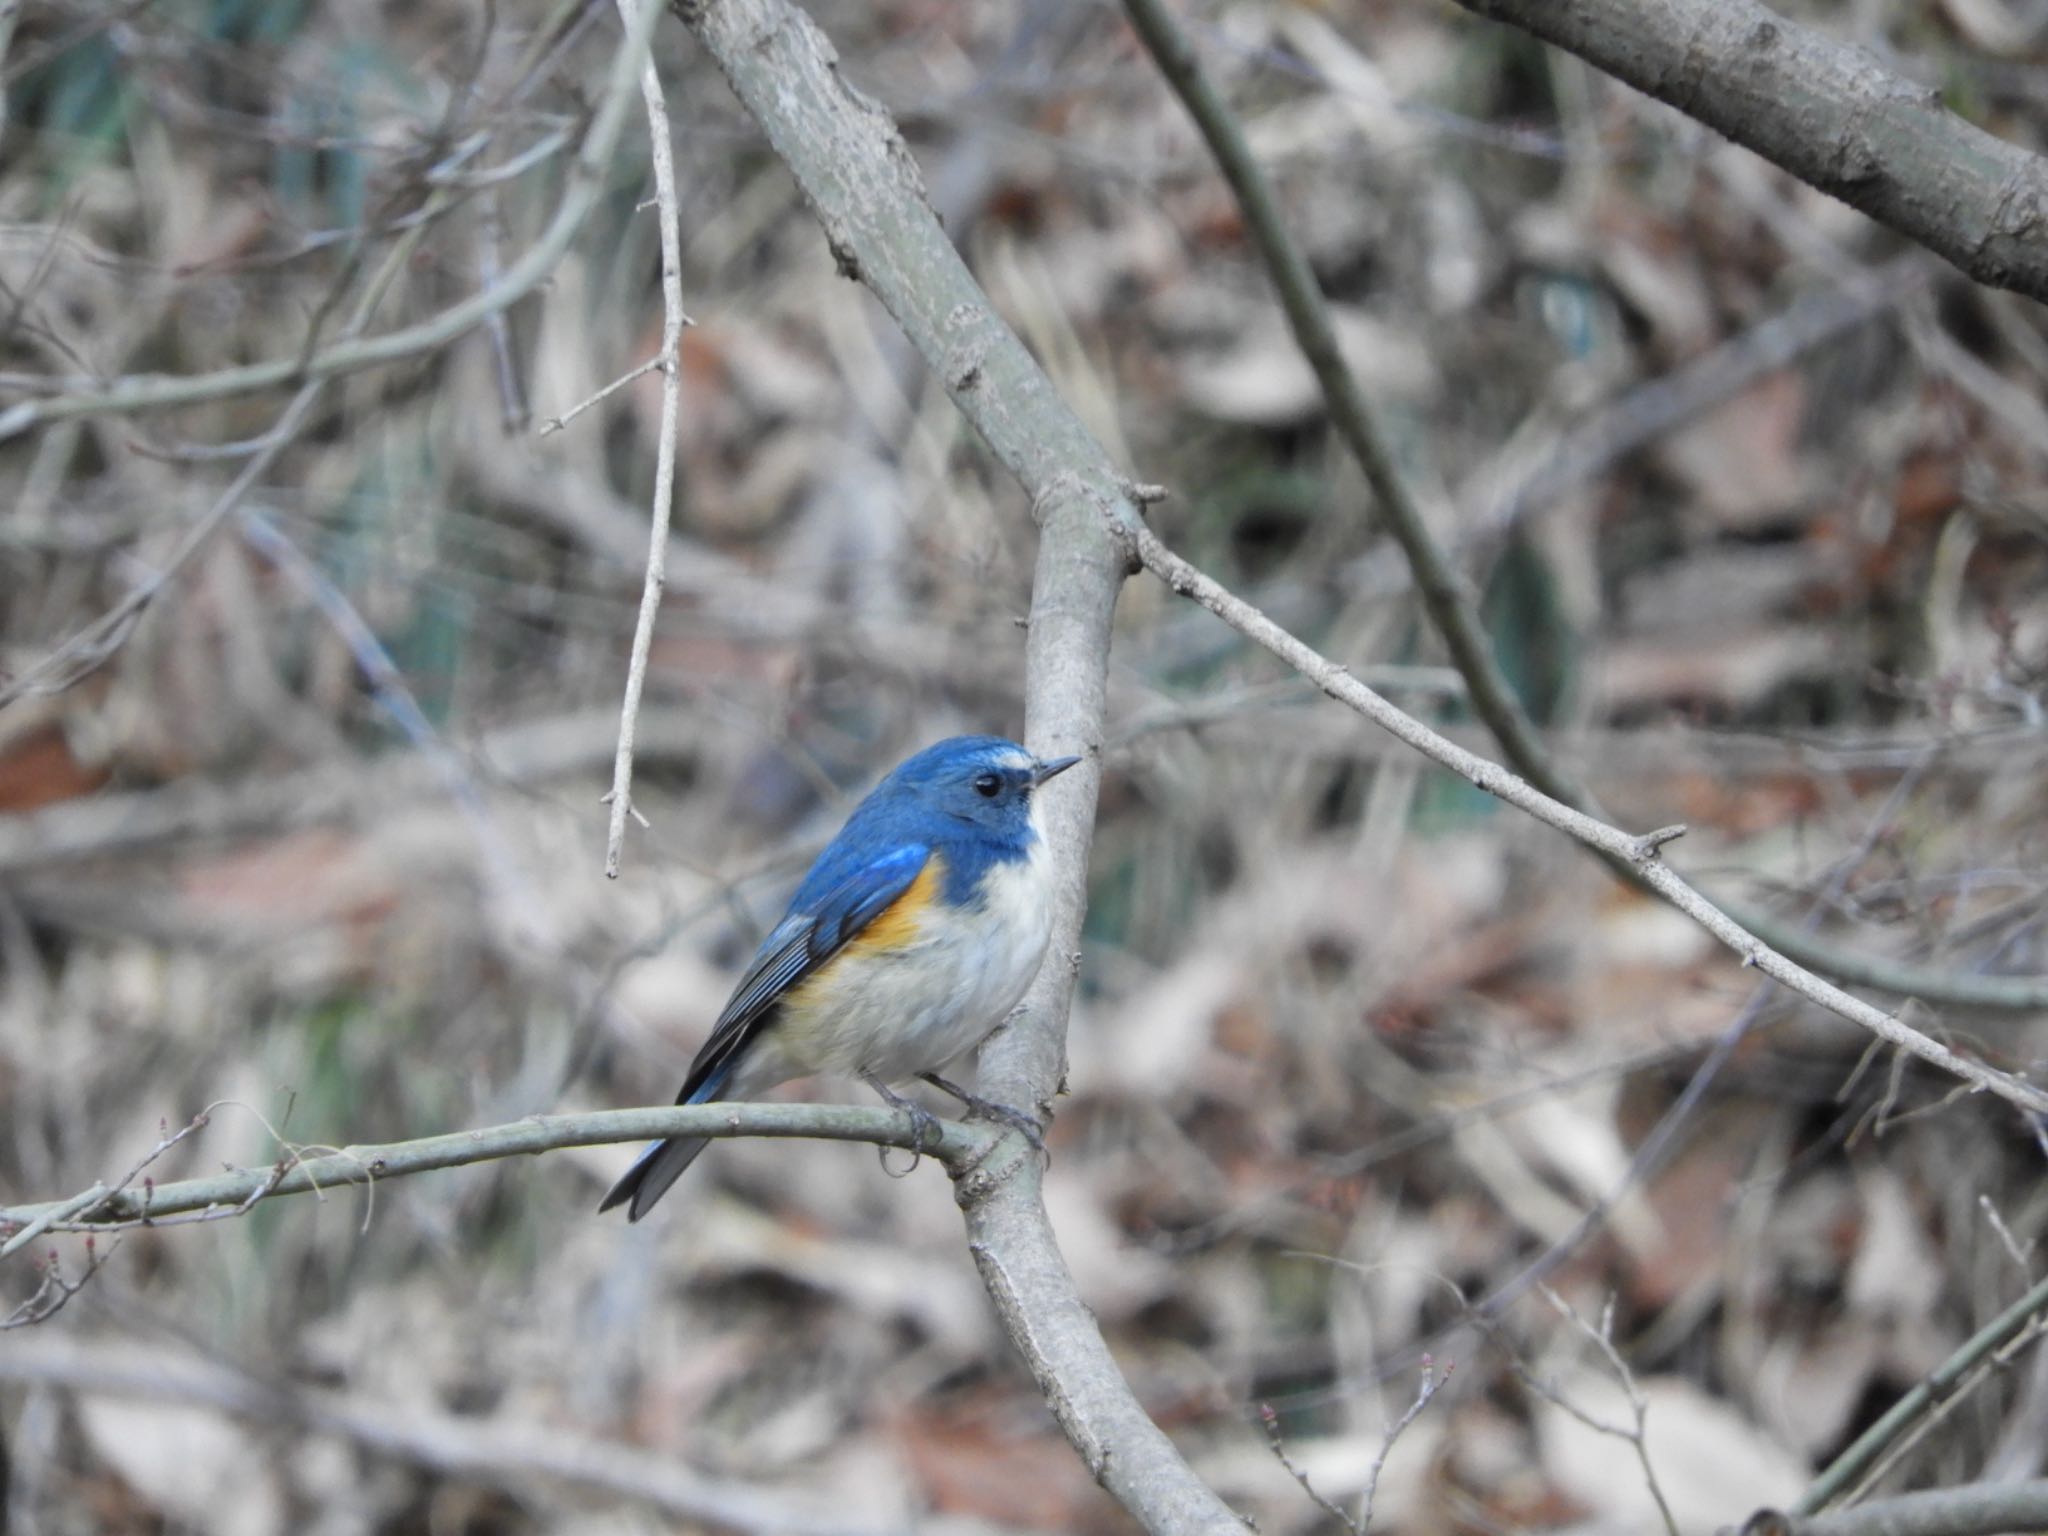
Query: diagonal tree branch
{"x":866,"y":191}
{"x":1825,"y":111}
{"x":1643,"y":853}
{"x":1992,"y":1346}
{"x":1446,"y":595}
{"x":1976,"y":1509}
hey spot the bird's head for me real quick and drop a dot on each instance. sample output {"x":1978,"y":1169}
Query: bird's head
{"x":986,"y":781}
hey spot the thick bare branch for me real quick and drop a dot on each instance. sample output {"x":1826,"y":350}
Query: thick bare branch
{"x":861,"y":181}
{"x":1825,"y":111}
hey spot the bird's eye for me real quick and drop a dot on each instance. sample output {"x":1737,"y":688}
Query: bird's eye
{"x":988,"y":785}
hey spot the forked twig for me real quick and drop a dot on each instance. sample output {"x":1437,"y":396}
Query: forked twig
{"x":673,"y":320}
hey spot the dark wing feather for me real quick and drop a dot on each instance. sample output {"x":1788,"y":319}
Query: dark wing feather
{"x":795,"y":949}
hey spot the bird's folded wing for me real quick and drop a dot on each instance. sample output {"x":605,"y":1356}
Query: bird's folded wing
{"x":796,"y":948}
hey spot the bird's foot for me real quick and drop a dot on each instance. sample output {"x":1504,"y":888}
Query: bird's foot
{"x":1022,"y":1121}
{"x":925,"y":1130}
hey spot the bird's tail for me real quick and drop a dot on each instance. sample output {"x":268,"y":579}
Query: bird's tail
{"x":663,"y":1162}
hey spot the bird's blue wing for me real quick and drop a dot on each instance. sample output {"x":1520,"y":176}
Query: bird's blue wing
{"x":795,"y":949}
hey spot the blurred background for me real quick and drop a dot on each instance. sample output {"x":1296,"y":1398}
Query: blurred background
{"x":1755,"y":498}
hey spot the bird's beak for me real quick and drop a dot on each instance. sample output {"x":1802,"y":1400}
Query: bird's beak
{"x":1051,"y":769}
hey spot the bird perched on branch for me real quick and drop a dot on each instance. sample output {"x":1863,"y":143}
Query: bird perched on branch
{"x":914,"y":934}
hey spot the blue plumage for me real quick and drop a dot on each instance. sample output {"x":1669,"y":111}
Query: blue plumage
{"x":913,"y":934}
{"x":930,"y":800}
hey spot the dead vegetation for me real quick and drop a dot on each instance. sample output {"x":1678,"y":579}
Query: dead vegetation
{"x":313,"y":835}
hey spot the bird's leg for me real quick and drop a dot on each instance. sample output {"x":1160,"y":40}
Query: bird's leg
{"x":924,"y":1125}
{"x":987,"y":1109}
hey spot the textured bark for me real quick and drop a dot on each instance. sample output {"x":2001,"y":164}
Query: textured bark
{"x":866,"y":191}
{"x":1828,"y":112}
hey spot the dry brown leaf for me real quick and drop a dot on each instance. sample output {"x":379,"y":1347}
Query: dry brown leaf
{"x":39,"y":768}
{"x":973,"y":1456}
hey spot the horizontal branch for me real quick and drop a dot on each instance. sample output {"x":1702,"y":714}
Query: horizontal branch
{"x":1825,"y":111}
{"x":1642,"y":854}
{"x":957,"y":1145}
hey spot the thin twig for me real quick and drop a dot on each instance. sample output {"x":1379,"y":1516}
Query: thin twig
{"x":1432,"y":1382}
{"x":1321,"y":1500}
{"x":234,"y":1192}
{"x":555,"y":423}
{"x":51,"y":1296}
{"x":490,"y":261}
{"x":49,"y":1217}
{"x":588,"y":173}
{"x":1641,"y":853}
{"x":1446,"y":594}
{"x":79,"y":1205}
{"x":166,"y":1139}
{"x":1648,"y":1157}
{"x":1638,"y":1436}
{"x":1933,"y":1413}
{"x":2021,"y":1321}
{"x":2013,"y":1250}
{"x":90,"y":648}
{"x":672,"y":322}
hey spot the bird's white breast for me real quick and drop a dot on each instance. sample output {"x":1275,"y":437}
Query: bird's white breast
{"x":894,"y":1013}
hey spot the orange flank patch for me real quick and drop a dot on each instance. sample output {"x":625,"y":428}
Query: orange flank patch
{"x":897,"y":924}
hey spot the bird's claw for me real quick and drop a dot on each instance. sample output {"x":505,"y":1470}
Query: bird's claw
{"x":925,"y":1130}
{"x":1023,"y":1122}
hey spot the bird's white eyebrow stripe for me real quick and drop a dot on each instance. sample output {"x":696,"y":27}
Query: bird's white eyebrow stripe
{"x":1013,"y":760}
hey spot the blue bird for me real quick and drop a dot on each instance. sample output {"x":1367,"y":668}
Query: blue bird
{"x":914,"y":934}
